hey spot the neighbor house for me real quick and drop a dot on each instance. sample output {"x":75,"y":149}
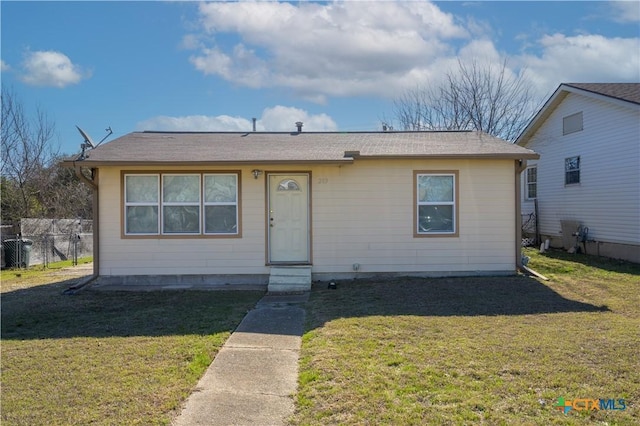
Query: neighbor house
{"x":588,"y":176}
{"x":207,"y":209}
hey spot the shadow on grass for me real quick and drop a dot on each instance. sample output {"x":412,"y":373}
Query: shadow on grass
{"x":43,"y":312}
{"x":477,"y":296}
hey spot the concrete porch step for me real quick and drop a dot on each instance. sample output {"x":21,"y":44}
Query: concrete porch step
{"x":286,"y":279}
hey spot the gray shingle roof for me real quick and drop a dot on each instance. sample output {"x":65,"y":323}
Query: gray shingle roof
{"x":629,"y":92}
{"x":259,"y":147}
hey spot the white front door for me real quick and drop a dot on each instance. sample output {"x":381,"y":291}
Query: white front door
{"x":288,"y":217}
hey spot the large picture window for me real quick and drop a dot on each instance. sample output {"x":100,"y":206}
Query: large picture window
{"x":181,"y":204}
{"x":436,"y":199}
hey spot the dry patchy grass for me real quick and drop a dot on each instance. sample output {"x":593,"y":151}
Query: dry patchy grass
{"x":106,"y":358}
{"x":491,"y":350}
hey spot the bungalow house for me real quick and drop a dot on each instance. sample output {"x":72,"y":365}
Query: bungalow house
{"x":586,"y":183}
{"x":207,"y":209}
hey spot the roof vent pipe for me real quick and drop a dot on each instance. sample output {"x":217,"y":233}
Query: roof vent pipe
{"x":299,"y":126}
{"x":254,"y":124}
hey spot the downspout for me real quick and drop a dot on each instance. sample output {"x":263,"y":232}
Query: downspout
{"x":93,"y":184}
{"x":520,"y":166}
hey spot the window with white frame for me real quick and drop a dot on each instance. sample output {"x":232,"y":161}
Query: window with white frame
{"x":572,"y":170}
{"x":181,"y":204}
{"x":436,"y":198}
{"x":220,"y":204}
{"x":141,"y":200}
{"x":532,"y":182}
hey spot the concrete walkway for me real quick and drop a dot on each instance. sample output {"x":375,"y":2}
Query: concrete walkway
{"x":253,"y":378}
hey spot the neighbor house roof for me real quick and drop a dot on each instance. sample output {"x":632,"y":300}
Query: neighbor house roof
{"x":629,"y":92}
{"x":180,"y":148}
{"x":625,"y":94}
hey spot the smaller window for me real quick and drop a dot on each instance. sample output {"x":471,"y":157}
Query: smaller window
{"x":532,"y":182}
{"x":572,"y":123}
{"x":436,"y":203}
{"x":572,"y":170}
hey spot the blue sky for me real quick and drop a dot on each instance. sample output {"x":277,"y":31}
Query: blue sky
{"x":334,"y":66}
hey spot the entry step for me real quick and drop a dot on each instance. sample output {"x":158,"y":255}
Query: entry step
{"x":289,"y":279}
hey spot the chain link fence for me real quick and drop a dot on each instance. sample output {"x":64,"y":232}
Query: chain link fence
{"x":42,"y":241}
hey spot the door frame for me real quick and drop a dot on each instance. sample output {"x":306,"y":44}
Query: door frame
{"x":267,"y":209}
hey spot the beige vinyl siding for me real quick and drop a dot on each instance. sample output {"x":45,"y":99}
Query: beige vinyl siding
{"x":607,"y":199}
{"x":189,"y":256}
{"x":364,"y":214}
{"x":361,"y":213}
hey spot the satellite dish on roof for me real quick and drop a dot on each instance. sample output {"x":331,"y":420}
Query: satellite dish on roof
{"x":88,"y":142}
{"x":87,"y":139}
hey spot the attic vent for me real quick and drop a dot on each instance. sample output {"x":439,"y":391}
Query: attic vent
{"x":572,"y":123}
{"x":299,"y":126}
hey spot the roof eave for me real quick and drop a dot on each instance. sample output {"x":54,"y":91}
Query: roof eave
{"x":98,"y":163}
{"x":497,"y":156}
{"x":346,"y":160}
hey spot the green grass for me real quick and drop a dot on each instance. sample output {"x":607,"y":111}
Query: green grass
{"x":37,"y":274}
{"x":490,"y":350}
{"x":106,"y":358}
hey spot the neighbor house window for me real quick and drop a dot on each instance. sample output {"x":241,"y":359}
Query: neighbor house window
{"x":436,"y":199}
{"x":181,"y":204}
{"x":572,"y":170}
{"x":572,"y":123}
{"x":532,"y":182}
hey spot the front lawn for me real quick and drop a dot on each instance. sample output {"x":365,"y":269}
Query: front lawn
{"x":475,"y":350}
{"x":106,"y":358}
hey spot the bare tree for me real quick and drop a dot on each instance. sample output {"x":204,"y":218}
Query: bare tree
{"x":33,"y":183}
{"x":472,"y":97}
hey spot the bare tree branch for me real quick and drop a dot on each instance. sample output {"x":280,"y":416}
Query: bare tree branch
{"x":33,"y":183}
{"x":472,"y":97}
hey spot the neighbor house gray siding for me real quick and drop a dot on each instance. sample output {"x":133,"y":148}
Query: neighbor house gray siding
{"x":607,"y":199}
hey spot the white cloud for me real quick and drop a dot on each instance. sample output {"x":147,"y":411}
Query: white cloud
{"x":625,"y":11}
{"x":382,"y":48}
{"x":583,"y":58}
{"x":4,"y":66}
{"x":278,"y":118}
{"x":50,"y":68}
{"x":335,"y":49}
{"x":196,"y":123}
{"x":281,"y":118}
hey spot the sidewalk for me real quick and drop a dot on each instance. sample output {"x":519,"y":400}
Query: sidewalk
{"x":253,"y":378}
